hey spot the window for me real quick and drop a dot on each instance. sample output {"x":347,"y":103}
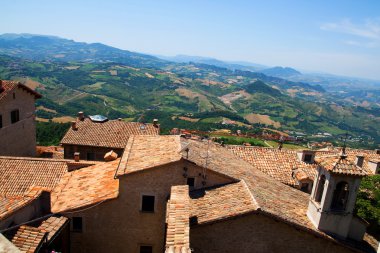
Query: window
{"x":340,"y":197}
{"x":307,"y":158}
{"x":1,"y":121}
{"x":14,"y":95}
{"x":190,"y":181}
{"x":15,"y":116}
{"x":320,"y":188}
{"x":146,"y":249}
{"x":77,"y":224}
{"x":90,"y":156}
{"x":147,"y":203}
{"x":305,"y":187}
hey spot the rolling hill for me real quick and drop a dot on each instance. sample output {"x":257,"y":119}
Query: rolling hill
{"x":99,"y":79}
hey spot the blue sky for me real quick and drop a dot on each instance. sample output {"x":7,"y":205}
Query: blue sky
{"x":338,"y":37}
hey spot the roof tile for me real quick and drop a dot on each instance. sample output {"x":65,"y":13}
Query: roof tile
{"x":110,"y":134}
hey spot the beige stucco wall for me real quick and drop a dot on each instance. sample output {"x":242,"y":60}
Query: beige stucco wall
{"x":119,"y":225}
{"x":18,"y":139}
{"x":320,"y":214}
{"x":257,"y":233}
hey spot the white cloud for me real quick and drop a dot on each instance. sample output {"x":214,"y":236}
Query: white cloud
{"x":369,"y":31}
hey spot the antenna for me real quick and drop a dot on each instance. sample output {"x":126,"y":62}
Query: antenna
{"x":206,"y":162}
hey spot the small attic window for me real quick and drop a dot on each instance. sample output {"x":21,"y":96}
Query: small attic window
{"x":147,"y":204}
{"x":77,"y":224}
{"x":14,"y":95}
{"x":191,"y":182}
{"x":307,"y":158}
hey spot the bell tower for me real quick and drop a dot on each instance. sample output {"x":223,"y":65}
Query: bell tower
{"x":333,"y":197}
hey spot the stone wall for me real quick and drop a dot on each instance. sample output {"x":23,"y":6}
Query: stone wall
{"x":98,"y":152}
{"x":257,"y":233}
{"x":18,"y":139}
{"x":120,"y":226}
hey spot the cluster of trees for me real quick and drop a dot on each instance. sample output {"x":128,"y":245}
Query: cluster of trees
{"x":368,"y":203}
{"x":51,"y":133}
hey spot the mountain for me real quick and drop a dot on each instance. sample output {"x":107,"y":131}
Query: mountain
{"x":280,"y":72}
{"x":118,"y":83}
{"x":212,"y":61}
{"x":52,"y":48}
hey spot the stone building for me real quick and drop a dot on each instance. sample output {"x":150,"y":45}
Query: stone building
{"x":17,"y":119}
{"x":172,"y":194}
{"x":93,"y":139}
{"x":25,"y":189}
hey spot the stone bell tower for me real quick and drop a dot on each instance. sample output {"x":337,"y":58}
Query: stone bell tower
{"x":333,"y":197}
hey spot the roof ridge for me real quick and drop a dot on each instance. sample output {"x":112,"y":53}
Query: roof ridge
{"x":258,"y":208}
{"x":46,"y":159}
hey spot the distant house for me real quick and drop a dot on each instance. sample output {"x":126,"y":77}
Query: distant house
{"x":17,"y":119}
{"x":92,"y":139}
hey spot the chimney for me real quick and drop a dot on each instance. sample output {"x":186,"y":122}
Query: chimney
{"x":74,"y":125}
{"x":76,"y":156}
{"x":81,"y":116}
{"x":359,"y":160}
{"x":119,"y":119}
{"x":155,"y":122}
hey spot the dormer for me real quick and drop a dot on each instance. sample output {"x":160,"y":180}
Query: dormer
{"x":359,"y":160}
{"x":306,"y":156}
{"x":333,"y":197}
{"x":374,"y":166}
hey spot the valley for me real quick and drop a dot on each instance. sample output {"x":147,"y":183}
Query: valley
{"x":98,"y":79}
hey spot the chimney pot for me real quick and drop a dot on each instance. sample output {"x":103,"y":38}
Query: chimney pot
{"x":76,"y":156}
{"x":74,"y":125}
{"x":119,"y":119}
{"x":81,"y":115}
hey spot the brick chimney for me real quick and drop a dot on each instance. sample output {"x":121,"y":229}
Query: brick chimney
{"x":76,"y":156}
{"x":81,"y":116}
{"x":74,"y":125}
{"x":359,"y":160}
{"x":155,"y":122}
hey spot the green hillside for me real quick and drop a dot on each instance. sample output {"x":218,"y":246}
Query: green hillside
{"x":118,"y":83}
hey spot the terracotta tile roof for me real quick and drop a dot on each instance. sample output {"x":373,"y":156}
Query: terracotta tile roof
{"x":177,"y":219}
{"x":18,"y":174}
{"x":110,"y":134}
{"x":278,"y":164}
{"x":144,"y":152}
{"x":339,"y":164}
{"x":7,"y":87}
{"x":369,"y":155}
{"x":53,"y":225}
{"x":223,"y":202}
{"x":85,"y":187}
{"x":8,"y":205}
{"x":273,"y":197}
{"x":28,"y":239}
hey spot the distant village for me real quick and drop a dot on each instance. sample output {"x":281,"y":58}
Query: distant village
{"x":117,"y":186}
